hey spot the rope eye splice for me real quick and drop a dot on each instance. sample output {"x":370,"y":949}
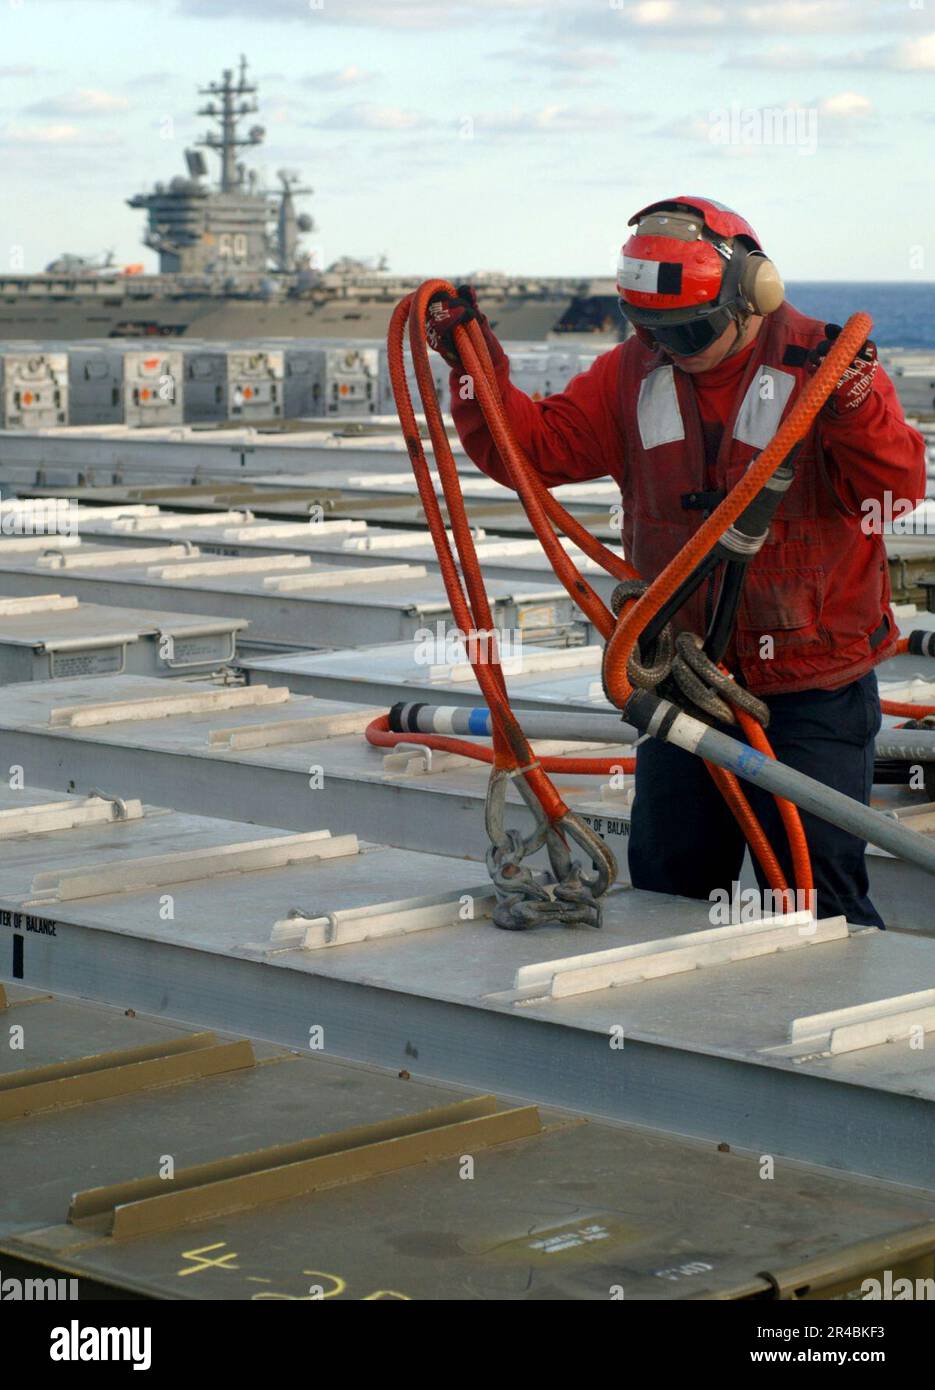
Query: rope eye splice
{"x":526,"y":899}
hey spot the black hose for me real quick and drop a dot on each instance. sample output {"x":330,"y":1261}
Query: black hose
{"x":689,"y":584}
{"x":725,"y":614}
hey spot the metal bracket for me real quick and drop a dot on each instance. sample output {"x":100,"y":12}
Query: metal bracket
{"x":302,"y":932}
{"x":859,"y":1025}
{"x":649,"y":960}
{"x":165,"y":706}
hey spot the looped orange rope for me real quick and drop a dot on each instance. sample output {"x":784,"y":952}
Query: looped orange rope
{"x":510,"y":748}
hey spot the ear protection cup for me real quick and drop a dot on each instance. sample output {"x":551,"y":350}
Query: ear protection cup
{"x":761,"y":284}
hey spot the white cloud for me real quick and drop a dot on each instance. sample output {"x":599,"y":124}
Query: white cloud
{"x":554,"y":119}
{"x":88,"y":101}
{"x":910,"y":55}
{"x":809,"y":16}
{"x":151,"y":79}
{"x":374,"y":14}
{"x":16,"y":135}
{"x":779,"y":58}
{"x":915,"y":55}
{"x":627,"y":17}
{"x":736,"y":131}
{"x":686,"y":23}
{"x":584,"y":59}
{"x":559,"y":60}
{"x":846,"y":106}
{"x":651,"y":14}
{"x":684,"y":128}
{"x":365,"y":115}
{"x":339,"y":79}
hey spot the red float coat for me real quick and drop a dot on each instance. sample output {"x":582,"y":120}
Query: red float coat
{"x":819,"y":587}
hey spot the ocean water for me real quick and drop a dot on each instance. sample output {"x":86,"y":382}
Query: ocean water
{"x":903,"y":314}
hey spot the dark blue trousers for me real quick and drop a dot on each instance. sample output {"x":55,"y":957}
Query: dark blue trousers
{"x":684,"y":840}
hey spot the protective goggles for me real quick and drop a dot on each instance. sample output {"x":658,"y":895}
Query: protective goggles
{"x":684,"y":339}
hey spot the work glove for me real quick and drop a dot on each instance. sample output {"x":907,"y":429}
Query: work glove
{"x":445,"y":313}
{"x":856,"y":383}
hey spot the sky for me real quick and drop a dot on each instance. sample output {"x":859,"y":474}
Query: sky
{"x":454,"y":136}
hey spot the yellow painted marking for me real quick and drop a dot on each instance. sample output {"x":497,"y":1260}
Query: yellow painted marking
{"x":319,"y":1275}
{"x":222,"y":1262}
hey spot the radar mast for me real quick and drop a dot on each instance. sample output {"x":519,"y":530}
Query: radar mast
{"x":229,"y":103}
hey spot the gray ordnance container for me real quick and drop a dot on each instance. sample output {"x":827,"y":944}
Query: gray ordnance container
{"x":348,"y":543}
{"x":33,"y":387}
{"x":52,"y":635}
{"x":106,"y":455}
{"x":287,"y":599}
{"x":538,"y":678}
{"x":333,"y":381}
{"x":232,"y":382}
{"x":266,"y":755}
{"x":391,"y":499}
{"x":129,"y":383}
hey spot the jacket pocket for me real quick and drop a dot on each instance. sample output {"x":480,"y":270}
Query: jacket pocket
{"x":785,"y":604}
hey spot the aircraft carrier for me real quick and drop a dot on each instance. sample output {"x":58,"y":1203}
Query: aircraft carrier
{"x":232,"y":265}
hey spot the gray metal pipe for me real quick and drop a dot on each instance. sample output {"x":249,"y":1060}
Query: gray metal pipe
{"x":907,"y":745}
{"x":464,"y":720}
{"x":662,"y":719}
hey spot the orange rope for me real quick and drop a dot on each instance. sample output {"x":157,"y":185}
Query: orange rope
{"x":789,"y":813}
{"x":381,"y":736}
{"x":761,"y":849}
{"x":793,"y":429}
{"x":905,"y":708}
{"x":510,"y":747}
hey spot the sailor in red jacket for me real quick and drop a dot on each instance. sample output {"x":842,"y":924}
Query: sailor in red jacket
{"x":675,"y":414}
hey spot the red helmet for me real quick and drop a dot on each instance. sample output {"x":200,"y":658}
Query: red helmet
{"x":689,"y":269}
{"x":720,"y":219}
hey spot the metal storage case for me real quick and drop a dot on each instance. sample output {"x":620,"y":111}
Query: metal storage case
{"x":232,"y":382}
{"x":33,"y":387}
{"x":324,"y":379}
{"x":288,"y":599}
{"x":353,"y":544}
{"x":125,"y":382}
{"x":54,"y":635}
